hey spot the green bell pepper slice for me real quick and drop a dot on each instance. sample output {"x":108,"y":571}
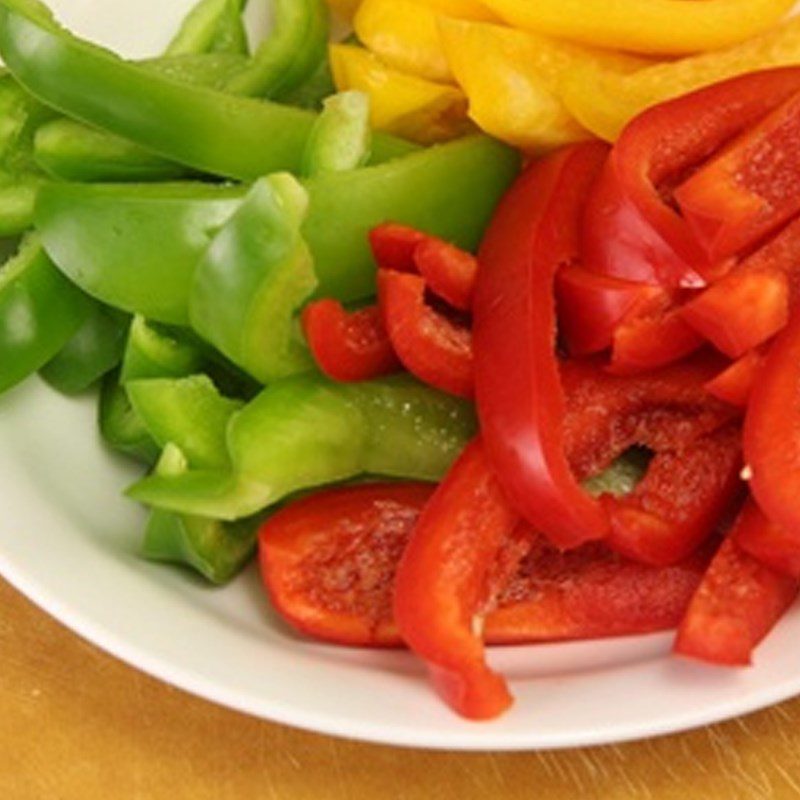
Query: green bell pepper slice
{"x":214,"y":132}
{"x":151,"y":351}
{"x":341,"y":138}
{"x":211,"y":26}
{"x":40,"y":310}
{"x":136,"y":246}
{"x":248,"y":312}
{"x":95,"y":349}
{"x":308,"y":431}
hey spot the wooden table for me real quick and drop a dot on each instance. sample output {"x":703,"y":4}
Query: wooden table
{"x":76,"y":724}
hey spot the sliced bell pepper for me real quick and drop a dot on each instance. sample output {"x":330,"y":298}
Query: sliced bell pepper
{"x":248,"y":313}
{"x":341,"y":138}
{"x":436,"y":349}
{"x":776,"y":547}
{"x":401,"y":104}
{"x":679,"y":502}
{"x":348,"y":346}
{"x":771,"y":431}
{"x":308,"y":431}
{"x":736,"y":605}
{"x":512,"y":80}
{"x":521,"y":402}
{"x":449,"y":272}
{"x":441,"y":581}
{"x":114,"y":240}
{"x":394,"y":245}
{"x":604,"y":101}
{"x":739,"y":197}
{"x":210,"y":26}
{"x":328,"y":561}
{"x":667,"y":27}
{"x":346,"y":9}
{"x":94,"y":350}
{"x":631,"y":231}
{"x":40,"y":311}
{"x":151,"y":351}
{"x":735,"y":384}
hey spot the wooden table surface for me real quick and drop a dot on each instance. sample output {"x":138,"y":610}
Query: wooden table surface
{"x":76,"y":724}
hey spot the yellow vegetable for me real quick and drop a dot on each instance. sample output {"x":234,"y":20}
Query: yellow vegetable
{"x":402,"y":104}
{"x":605,"y":102}
{"x":461,"y":9}
{"x":346,"y":9}
{"x":512,"y":80}
{"x":645,"y":26}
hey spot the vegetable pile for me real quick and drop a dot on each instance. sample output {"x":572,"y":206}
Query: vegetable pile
{"x":544,"y":401}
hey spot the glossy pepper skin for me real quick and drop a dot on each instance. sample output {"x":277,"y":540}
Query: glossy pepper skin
{"x":520,"y":399}
{"x":441,"y":580}
{"x":211,"y":26}
{"x":768,"y":543}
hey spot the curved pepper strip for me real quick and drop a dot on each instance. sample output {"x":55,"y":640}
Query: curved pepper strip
{"x":630,"y":231}
{"x":114,"y":240}
{"x":214,"y":132}
{"x":308,"y":431}
{"x":441,"y":579}
{"x":521,"y":402}
{"x":735,"y":384}
{"x":211,"y":26}
{"x":767,"y":542}
{"x":248,"y":313}
{"x":154,"y":352}
{"x":665,"y":27}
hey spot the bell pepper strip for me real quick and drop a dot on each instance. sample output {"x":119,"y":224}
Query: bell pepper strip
{"x":679,"y":502}
{"x":631,"y":231}
{"x":740,"y":196}
{"x":767,"y":542}
{"x":771,"y":439}
{"x":307,"y":431}
{"x":40,"y":311}
{"x":394,"y":246}
{"x":94,"y":350}
{"x":120,"y":426}
{"x":199,"y":127}
{"x":341,"y":138}
{"x":312,"y":93}
{"x":431,"y":346}
{"x":405,"y":36}
{"x":735,"y":383}
{"x":18,"y":194}
{"x":441,"y":579}
{"x":211,"y":26}
{"x":736,"y":605}
{"x":520,"y":399}
{"x":449,"y":271}
{"x":248,"y":313}
{"x":328,"y":561}
{"x":345,"y":9}
{"x":604,"y":101}
{"x":401,"y":104}
{"x":512,"y":78}
{"x":663,"y":27}
{"x":152,"y":351}
{"x":113,"y":241}
{"x":591,"y":307}
{"x":348,"y":345}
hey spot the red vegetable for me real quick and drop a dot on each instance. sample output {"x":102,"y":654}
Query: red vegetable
{"x":736,"y":605}
{"x":772,"y":545}
{"x":441,"y":582}
{"x":742,"y":195}
{"x":520,"y":399}
{"x":348,"y":346}
{"x":449,"y":271}
{"x":735,"y":384}
{"x":393,"y":246}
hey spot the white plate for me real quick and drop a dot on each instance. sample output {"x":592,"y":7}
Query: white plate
{"x":68,"y":541}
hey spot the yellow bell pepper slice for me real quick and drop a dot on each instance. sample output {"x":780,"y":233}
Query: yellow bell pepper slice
{"x":405,"y":105}
{"x":668,"y":27}
{"x":604,"y":101}
{"x":345,"y":9}
{"x":512,"y":80}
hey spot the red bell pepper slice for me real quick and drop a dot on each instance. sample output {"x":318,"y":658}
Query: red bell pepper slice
{"x":431,"y":346}
{"x":772,"y":431}
{"x":631,"y":230}
{"x":772,"y":545}
{"x":589,"y":593}
{"x":592,"y":306}
{"x":449,"y":271}
{"x":520,"y":399}
{"x":679,"y":502}
{"x":736,"y":605}
{"x":328,"y":561}
{"x":735,"y":384}
{"x":750,"y":189}
{"x":393,"y":246}
{"x":348,"y":346}
{"x":440,"y":584}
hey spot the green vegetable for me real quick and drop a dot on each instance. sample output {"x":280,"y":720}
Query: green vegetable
{"x":341,"y":138}
{"x":253,"y":279}
{"x":116,"y":242}
{"x":94,"y":350}
{"x":120,"y":426}
{"x":212,"y":26}
{"x":622,"y":476}
{"x":153,"y":352}
{"x":308,"y":431}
